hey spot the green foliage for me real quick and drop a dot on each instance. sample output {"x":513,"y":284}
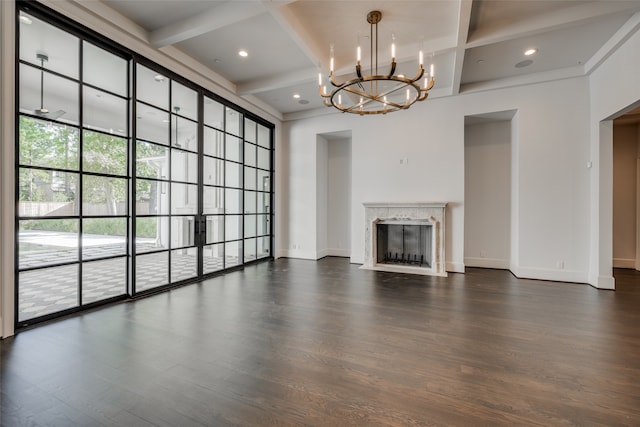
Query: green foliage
{"x":62,"y":225}
{"x":147,"y":227}
{"x":105,"y":226}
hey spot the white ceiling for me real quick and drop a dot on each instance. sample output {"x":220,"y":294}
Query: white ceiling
{"x":474,"y":45}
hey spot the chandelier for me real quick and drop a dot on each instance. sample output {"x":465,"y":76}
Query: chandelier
{"x":376,"y":93}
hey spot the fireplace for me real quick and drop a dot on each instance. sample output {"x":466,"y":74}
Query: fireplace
{"x":405,"y":237}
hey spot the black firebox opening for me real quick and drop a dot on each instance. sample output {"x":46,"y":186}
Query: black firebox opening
{"x":404,"y":244}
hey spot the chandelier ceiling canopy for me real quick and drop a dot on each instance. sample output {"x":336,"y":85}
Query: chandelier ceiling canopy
{"x":376,"y":93}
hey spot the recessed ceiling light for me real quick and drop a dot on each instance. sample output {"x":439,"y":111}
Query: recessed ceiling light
{"x":25,"y":20}
{"x":296,"y":95}
{"x":243,"y":53}
{"x":530,"y":52}
{"x":524,"y":63}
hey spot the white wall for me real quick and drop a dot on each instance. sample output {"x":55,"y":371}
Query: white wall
{"x":552,"y":183}
{"x":487,"y":194}
{"x":614,"y":88}
{"x":625,"y":155}
{"x":7,"y":188}
{"x":339,"y":198}
{"x":322,"y":182}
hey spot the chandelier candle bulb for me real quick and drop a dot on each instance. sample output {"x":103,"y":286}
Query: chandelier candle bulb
{"x":393,"y":51}
{"x":331,"y":64}
{"x":431,"y":72}
{"x":319,"y":79}
{"x":359,"y":54}
{"x":421,"y":58}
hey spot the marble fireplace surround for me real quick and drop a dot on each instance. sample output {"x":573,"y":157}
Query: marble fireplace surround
{"x":432,"y":213}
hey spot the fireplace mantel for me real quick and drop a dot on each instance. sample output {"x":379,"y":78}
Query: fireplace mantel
{"x":432,"y":213}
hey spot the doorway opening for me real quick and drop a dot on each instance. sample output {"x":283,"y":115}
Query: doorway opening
{"x":333,"y":194}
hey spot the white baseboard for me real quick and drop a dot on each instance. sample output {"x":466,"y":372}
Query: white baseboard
{"x":551,"y":274}
{"x":345,"y":253}
{"x":605,"y":282}
{"x":454,"y":267}
{"x":624,"y":263}
{"x":297,"y":253}
{"x":501,"y":264}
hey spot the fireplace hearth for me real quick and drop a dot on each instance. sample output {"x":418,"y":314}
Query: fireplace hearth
{"x":405,"y":238}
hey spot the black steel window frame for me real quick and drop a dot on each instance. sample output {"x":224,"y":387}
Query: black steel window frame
{"x":85,"y":34}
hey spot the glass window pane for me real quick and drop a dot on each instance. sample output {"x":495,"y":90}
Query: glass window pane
{"x":249,"y":154}
{"x":182,"y":231}
{"x":264,"y":180}
{"x":264,"y":136}
{"x":250,"y":179}
{"x":249,"y":226}
{"x":232,"y":174}
{"x":184,"y":199}
{"x":59,"y":99}
{"x":152,"y":87}
{"x":264,"y":200}
{"x":152,"y":124}
{"x":104,"y":279}
{"x":152,"y":160}
{"x":233,"y":148}
{"x":213,"y":142}
{"x":213,"y":258}
{"x":250,"y":131}
{"x":264,"y":160}
{"x":233,"y":123}
{"x":47,"y":242}
{"x":213,"y":171}
{"x":184,"y":133}
{"x":48,"y":144}
{"x":60,"y":47}
{"x":233,"y":253}
{"x":47,"y":193}
{"x":249,"y":250}
{"x":215,"y":229}
{"x":184,"y":264}
{"x":250,"y":202}
{"x":184,"y":166}
{"x":213,"y":200}
{"x":152,"y":270}
{"x":213,"y":113}
{"x":232,"y":227}
{"x":104,"y":237}
{"x":232,"y":201}
{"x":104,"y":153}
{"x":264,"y":249}
{"x":103,"y":69}
{"x":104,"y":196}
{"x":152,"y":234}
{"x":47,"y":291}
{"x":263,"y":225}
{"x":152,"y":197}
{"x":184,"y":101}
{"x":104,"y":112}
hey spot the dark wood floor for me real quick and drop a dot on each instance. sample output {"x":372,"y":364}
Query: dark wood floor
{"x":295,"y":342}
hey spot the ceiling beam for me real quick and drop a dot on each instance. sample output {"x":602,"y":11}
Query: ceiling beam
{"x":222,"y":15}
{"x":290,"y":23}
{"x":574,"y":15}
{"x":280,"y":81}
{"x":464,"y":19}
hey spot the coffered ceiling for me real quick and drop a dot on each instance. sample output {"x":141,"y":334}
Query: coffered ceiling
{"x":474,"y":45}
